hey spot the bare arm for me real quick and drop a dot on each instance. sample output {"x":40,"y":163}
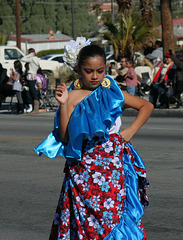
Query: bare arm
{"x":145,"y":109}
{"x":13,"y":75}
{"x":62,"y":96}
{"x":129,"y":76}
{"x":40,"y":86}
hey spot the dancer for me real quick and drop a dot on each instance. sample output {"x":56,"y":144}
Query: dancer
{"x":104,"y":189}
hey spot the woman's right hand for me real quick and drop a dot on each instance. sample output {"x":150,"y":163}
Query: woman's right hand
{"x":61,"y":93}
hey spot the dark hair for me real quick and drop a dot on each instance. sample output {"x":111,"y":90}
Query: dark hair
{"x":18,"y":67}
{"x":159,"y":43}
{"x":30,"y":50}
{"x":130,"y":61}
{"x":90,"y":51}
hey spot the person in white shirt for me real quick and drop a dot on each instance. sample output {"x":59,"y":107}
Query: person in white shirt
{"x":33,"y":61}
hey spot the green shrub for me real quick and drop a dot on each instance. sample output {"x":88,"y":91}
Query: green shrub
{"x":50,"y":51}
{"x":67,"y":75}
{"x":3,"y":39}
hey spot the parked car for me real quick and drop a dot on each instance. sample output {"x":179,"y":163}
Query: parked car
{"x":9,"y":54}
{"x":54,"y":57}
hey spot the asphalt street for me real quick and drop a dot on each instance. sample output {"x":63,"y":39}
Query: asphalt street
{"x":30,"y":185}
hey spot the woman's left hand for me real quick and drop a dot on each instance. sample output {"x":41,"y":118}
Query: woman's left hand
{"x":126,"y":134}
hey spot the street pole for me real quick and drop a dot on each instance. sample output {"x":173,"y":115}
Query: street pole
{"x":112,"y":10}
{"x":18,"y":24}
{"x":73,"y":23}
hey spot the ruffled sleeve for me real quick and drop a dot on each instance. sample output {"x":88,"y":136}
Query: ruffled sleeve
{"x":93,"y":116}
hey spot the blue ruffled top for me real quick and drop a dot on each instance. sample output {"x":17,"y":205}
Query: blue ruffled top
{"x":92,"y":117}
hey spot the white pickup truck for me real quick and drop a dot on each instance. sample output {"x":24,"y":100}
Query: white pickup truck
{"x":9,"y":54}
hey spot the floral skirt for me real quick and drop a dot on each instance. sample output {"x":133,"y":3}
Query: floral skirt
{"x":103,"y":195}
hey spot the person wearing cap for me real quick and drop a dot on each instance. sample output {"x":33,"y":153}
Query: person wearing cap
{"x":178,"y":78}
{"x":161,"y":82}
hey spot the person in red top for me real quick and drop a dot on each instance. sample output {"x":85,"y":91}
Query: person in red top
{"x":130,"y":78}
{"x":160,"y":82}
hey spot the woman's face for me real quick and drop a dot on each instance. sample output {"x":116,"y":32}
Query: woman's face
{"x":92,"y":72}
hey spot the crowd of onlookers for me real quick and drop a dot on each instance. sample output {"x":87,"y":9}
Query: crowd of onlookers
{"x":25,"y":85}
{"x":167,"y":81}
{"x":166,"y":86}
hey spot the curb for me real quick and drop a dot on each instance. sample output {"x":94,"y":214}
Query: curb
{"x":127,"y":112}
{"x":168,"y":113}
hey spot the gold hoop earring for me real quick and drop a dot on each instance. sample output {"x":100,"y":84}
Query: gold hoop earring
{"x":78,"y":84}
{"x":106,"y":83}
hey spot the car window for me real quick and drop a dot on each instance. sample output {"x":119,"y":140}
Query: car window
{"x":45,"y":57}
{"x":12,"y":54}
{"x":59,"y":59}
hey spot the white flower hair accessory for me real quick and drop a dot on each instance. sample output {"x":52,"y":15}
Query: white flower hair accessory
{"x":71,"y":50}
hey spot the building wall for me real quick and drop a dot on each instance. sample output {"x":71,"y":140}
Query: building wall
{"x":38,"y":46}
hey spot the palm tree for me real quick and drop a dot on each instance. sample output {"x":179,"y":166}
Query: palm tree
{"x":147,"y":9}
{"x":167,"y":25}
{"x":124,"y":6}
{"x":126,"y":36}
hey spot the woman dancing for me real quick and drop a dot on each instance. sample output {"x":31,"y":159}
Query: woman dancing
{"x":104,"y":189}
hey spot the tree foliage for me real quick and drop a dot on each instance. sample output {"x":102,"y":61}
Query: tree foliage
{"x":38,"y":17}
{"x":127,"y":35}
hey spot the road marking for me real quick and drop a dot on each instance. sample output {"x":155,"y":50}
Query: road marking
{"x":21,"y":140}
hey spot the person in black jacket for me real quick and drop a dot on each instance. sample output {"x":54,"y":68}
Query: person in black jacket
{"x":6,"y":84}
{"x":178,"y":78}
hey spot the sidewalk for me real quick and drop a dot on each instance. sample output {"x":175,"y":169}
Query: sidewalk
{"x":171,"y":112}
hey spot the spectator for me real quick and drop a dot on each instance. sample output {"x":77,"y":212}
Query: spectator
{"x":148,"y":48}
{"x":118,"y":74}
{"x":111,"y":70}
{"x":162,"y":80}
{"x":17,"y":76}
{"x":156,"y":53}
{"x":26,"y":93}
{"x":6,"y":85}
{"x":33,"y":61}
{"x":39,"y":82}
{"x":122,"y":71}
{"x":130,"y":78}
{"x":178,"y":78}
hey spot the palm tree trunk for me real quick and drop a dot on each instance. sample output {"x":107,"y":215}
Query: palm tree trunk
{"x":167,"y":25}
{"x":147,"y":8}
{"x":124,"y":6}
